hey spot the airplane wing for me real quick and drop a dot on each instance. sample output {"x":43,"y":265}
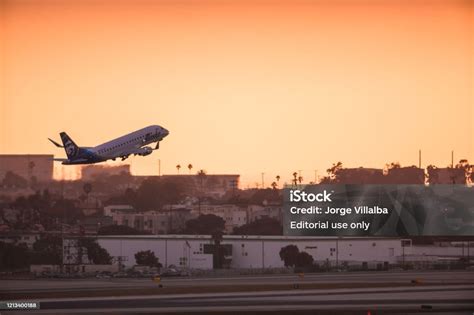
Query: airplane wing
{"x":69,"y":162}
{"x":76,"y":161}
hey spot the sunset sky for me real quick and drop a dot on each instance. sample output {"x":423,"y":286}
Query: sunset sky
{"x":243,"y":86}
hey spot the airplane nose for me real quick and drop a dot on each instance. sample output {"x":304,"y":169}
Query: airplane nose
{"x":165,"y":132}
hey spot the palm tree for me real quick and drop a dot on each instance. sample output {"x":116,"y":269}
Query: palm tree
{"x":201,"y":175}
{"x":295,"y":178}
{"x":278,"y":178}
{"x":190,"y":167}
{"x":178,"y":167}
{"x":274,"y":185}
{"x":300,"y":179}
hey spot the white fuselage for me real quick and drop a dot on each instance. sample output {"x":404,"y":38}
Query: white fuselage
{"x":131,"y":143}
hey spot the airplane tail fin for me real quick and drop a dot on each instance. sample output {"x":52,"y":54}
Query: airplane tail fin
{"x":72,"y":150}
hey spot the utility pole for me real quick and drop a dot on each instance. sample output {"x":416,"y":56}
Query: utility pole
{"x":61,"y":267}
{"x":166,"y":253}
{"x":403,"y":255}
{"x":234,"y":186}
{"x":468,"y":254}
{"x":263,"y":180}
{"x":170,"y":219}
{"x":452,"y":159}
{"x":419,"y":159}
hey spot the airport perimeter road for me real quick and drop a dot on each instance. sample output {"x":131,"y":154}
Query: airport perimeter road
{"x":342,"y":278}
{"x":454,"y":299}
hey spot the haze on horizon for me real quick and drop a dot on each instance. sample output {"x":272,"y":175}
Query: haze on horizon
{"x":243,"y":86}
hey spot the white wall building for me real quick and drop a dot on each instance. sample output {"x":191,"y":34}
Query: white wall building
{"x":453,"y":250}
{"x":26,"y":238}
{"x":154,"y":222}
{"x":178,"y":250}
{"x":263,"y":251}
{"x":171,"y":219}
{"x":253,"y":251}
{"x":113,"y":209}
{"x":256,"y":212}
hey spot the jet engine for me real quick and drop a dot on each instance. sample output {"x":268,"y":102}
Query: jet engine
{"x":144,"y":151}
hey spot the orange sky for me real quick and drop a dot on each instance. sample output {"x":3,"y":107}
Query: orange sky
{"x":243,"y":86}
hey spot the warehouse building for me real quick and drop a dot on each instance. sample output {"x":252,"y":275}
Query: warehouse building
{"x":242,"y":252}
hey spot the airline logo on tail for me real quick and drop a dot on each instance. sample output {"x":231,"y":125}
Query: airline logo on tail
{"x":69,"y":146}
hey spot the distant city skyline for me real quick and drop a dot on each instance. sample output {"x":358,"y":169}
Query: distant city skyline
{"x":244,"y":87}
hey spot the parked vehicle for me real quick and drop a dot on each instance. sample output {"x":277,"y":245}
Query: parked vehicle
{"x":173,"y":272}
{"x":103,"y":275}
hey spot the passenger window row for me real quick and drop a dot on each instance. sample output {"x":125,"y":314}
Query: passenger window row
{"x":120,"y":145}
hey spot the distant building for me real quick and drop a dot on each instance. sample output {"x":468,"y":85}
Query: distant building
{"x":233,"y":215}
{"x":10,"y":217}
{"x":211,"y":185}
{"x":90,"y":205}
{"x":177,"y":215}
{"x":189,"y":251}
{"x":262,"y":252}
{"x":447,"y":175}
{"x":115,"y":209}
{"x":173,"y":218}
{"x":28,"y":166}
{"x":75,"y":255}
{"x":256,"y":212}
{"x":360,"y":175}
{"x":397,"y":175}
{"x":90,"y":172}
{"x":20,"y":238}
{"x":170,"y":219}
{"x":91,"y":225}
{"x":405,"y":175}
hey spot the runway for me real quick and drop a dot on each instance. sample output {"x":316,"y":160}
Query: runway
{"x":440,"y":292}
{"x":399,"y":277}
{"x":433,"y":299}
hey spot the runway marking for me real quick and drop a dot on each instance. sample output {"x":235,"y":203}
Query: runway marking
{"x":276,"y":293}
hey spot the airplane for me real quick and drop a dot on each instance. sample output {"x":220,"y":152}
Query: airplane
{"x":133,"y":143}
